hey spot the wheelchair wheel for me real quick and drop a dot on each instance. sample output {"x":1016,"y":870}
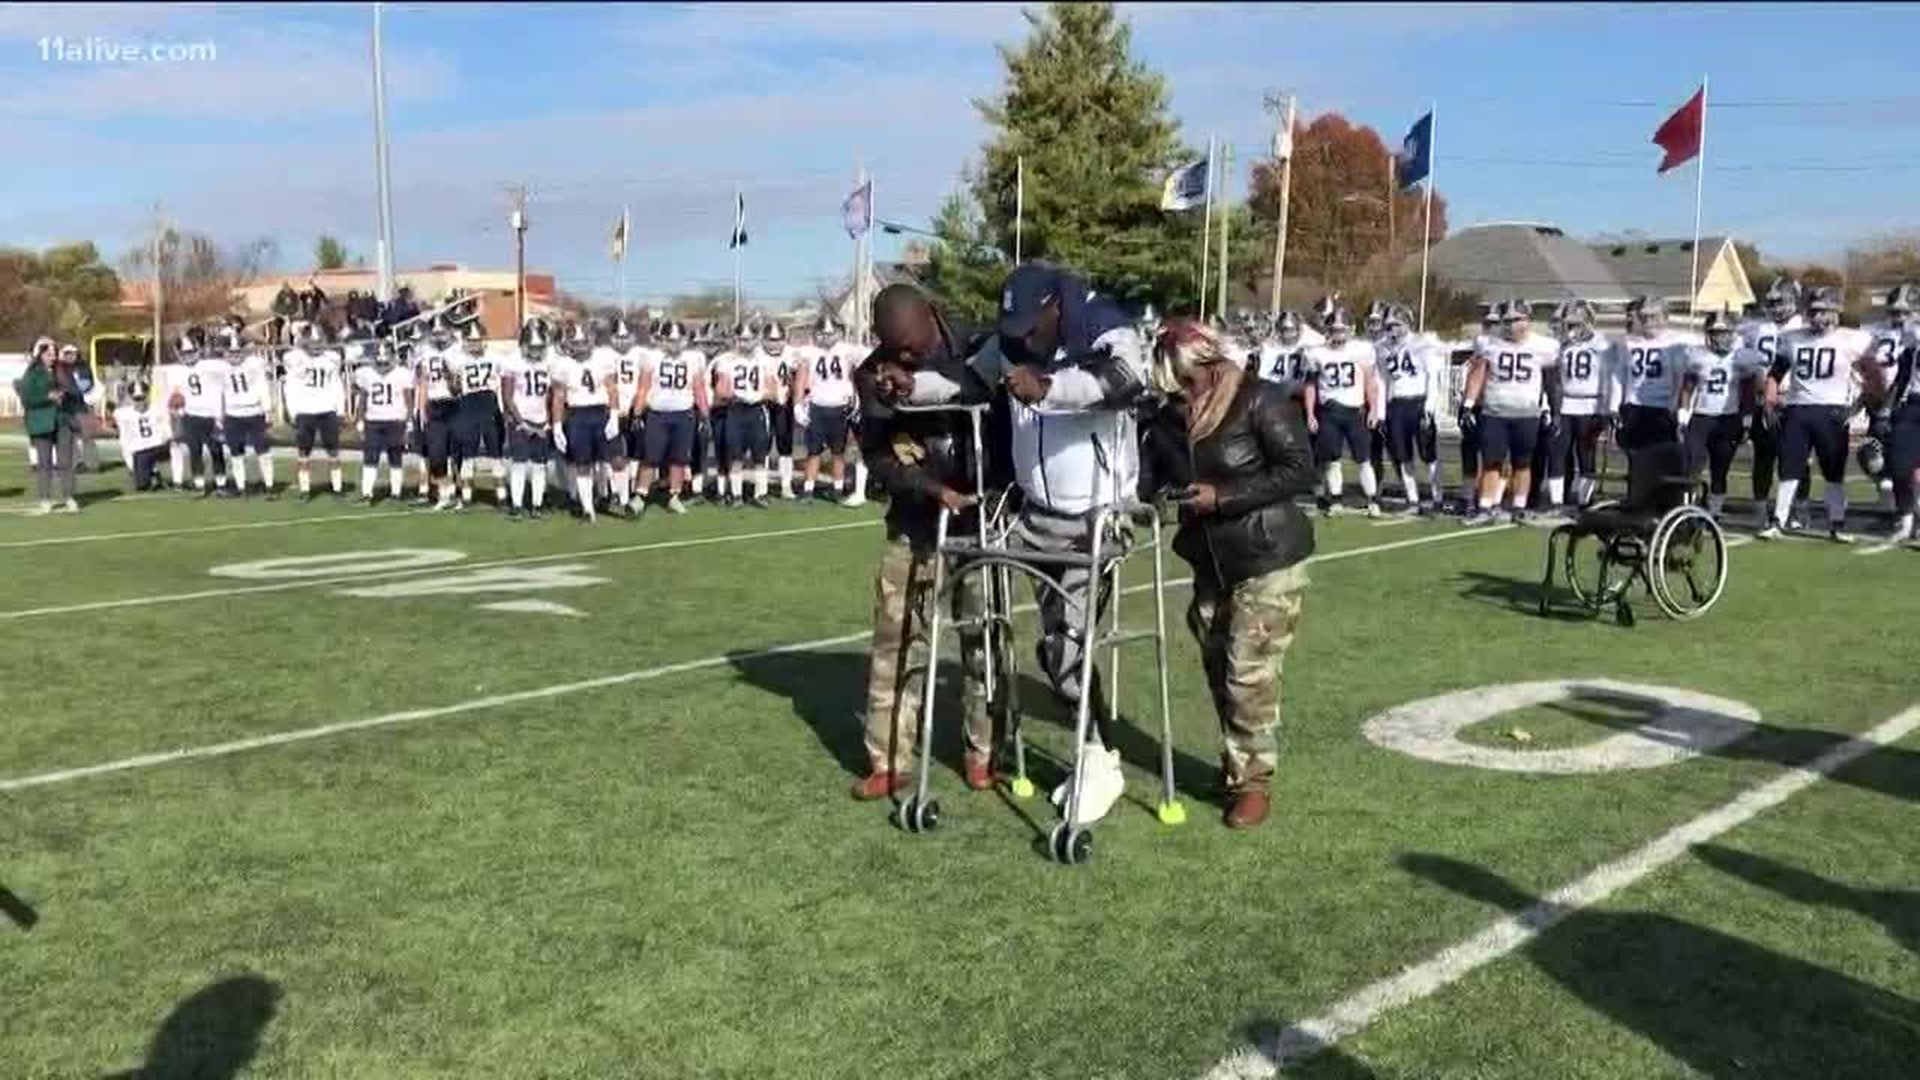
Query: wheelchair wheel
{"x":1687,"y":563}
{"x":1592,"y":573}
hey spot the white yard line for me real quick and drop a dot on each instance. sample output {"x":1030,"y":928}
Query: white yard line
{"x":282,"y":738}
{"x":315,"y":583}
{"x":1394,"y":522}
{"x":84,"y":538}
{"x":1354,"y":1013}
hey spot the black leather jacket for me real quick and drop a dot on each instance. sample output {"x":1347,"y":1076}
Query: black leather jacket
{"x":1258,"y":460}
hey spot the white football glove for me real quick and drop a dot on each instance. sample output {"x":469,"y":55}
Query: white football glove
{"x":560,"y":438}
{"x":800,"y":412}
{"x":1685,"y":417}
{"x":612,"y":430}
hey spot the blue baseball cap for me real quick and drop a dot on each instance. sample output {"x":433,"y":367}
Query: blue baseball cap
{"x":1028,"y":289}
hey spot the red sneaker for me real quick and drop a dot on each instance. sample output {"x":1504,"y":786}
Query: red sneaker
{"x":881,"y":784}
{"x":979,"y":771}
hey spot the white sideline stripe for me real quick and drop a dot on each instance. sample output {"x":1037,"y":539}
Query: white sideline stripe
{"x":1394,"y":522}
{"x":315,"y":583}
{"x":282,"y":738}
{"x":1739,"y":539}
{"x":147,"y":533}
{"x":1305,"y":1038}
{"x":1877,"y":549}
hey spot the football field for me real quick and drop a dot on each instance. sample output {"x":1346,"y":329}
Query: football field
{"x":311,"y":790}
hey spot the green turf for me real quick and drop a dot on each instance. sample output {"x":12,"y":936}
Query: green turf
{"x":663,"y":877}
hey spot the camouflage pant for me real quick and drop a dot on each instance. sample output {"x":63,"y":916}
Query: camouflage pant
{"x":902,"y":603}
{"x":1244,"y":631}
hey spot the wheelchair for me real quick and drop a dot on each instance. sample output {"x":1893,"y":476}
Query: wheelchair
{"x":1658,"y":536}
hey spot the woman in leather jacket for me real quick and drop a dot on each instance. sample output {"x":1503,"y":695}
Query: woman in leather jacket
{"x":1251,"y":457}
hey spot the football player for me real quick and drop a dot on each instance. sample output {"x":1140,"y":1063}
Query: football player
{"x":1415,"y":374}
{"x":1811,"y":383}
{"x":383,"y":401}
{"x":249,"y":383}
{"x":823,"y":395}
{"x":1468,"y":419}
{"x":1282,"y":354}
{"x":585,"y":384}
{"x":773,"y":346}
{"x":169,"y":388}
{"x":746,"y":377}
{"x":710,"y":429}
{"x":1717,"y":390}
{"x":624,"y":356}
{"x":1780,"y":304}
{"x":1341,"y":407}
{"x":1903,"y":451}
{"x":530,"y":384}
{"x":440,"y":406}
{"x":477,"y":422}
{"x":1647,"y":365}
{"x":673,"y":398}
{"x":1507,"y":381}
{"x":201,"y":395}
{"x":1587,"y":388}
{"x":143,"y":428}
{"x":313,"y":398}
{"x":1889,"y":337}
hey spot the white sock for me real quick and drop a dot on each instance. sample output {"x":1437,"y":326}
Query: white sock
{"x":1433,"y":481}
{"x":266,"y":469}
{"x":786,"y":475}
{"x":859,"y":478}
{"x":1557,"y":490}
{"x":1369,"y":484}
{"x":623,"y":486}
{"x":602,"y":486}
{"x":337,"y":478}
{"x":738,"y":478}
{"x":1410,"y":484}
{"x":499,"y":481}
{"x":760,"y":481}
{"x":396,"y":481}
{"x":466,"y":480}
{"x":583,"y":490}
{"x":1836,"y":505}
{"x":517,"y":484}
{"x":1582,"y":490}
{"x":306,"y":479}
{"x":177,"y":463}
{"x":368,"y":474}
{"x":1783,"y":500}
{"x":1904,"y":526}
{"x":539,"y":488}
{"x":1331,"y":478}
{"x":237,"y":471}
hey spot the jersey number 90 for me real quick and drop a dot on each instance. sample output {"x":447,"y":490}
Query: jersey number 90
{"x":1814,"y":363}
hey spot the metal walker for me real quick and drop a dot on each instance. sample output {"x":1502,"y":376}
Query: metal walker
{"x":1108,"y":546}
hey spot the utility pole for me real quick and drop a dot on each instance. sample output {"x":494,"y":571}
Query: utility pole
{"x":1226,"y":215}
{"x":518,"y":221}
{"x":1282,"y":140}
{"x":384,"y":256}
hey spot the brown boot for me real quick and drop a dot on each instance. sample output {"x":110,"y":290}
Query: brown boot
{"x":881,"y":783}
{"x":1248,"y":808}
{"x":979,"y":769}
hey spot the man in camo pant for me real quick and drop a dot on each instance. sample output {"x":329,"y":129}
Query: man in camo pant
{"x":1244,"y":631}
{"x":896,"y":678}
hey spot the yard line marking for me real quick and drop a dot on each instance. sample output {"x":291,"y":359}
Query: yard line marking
{"x":1878,"y":549}
{"x":1395,"y":522}
{"x":1738,"y":539}
{"x":282,"y":738}
{"x":315,"y":583}
{"x":85,"y":538}
{"x":1351,"y":1015}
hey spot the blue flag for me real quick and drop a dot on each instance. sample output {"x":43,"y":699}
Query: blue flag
{"x":1185,"y":187}
{"x":1415,"y":159}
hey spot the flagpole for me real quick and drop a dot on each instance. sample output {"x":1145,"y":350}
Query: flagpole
{"x":1206,"y":231}
{"x":866,"y":240}
{"x":626,"y":242}
{"x":1226,"y":211}
{"x":738,"y":200}
{"x":1699,"y":192}
{"x":1426,"y":214}
{"x":1019,"y":204}
{"x":1280,"y":233}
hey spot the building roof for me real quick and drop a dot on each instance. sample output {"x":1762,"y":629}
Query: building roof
{"x":1526,"y":260}
{"x":1662,"y":268}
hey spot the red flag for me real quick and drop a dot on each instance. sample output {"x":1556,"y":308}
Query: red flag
{"x":1679,"y":136}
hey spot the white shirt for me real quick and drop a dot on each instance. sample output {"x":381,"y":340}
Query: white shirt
{"x":673,"y":380}
{"x":532,"y":382}
{"x":830,"y":375}
{"x":782,"y":368}
{"x":626,"y":373}
{"x":747,"y":376}
{"x":584,"y":380}
{"x":142,"y":429}
{"x":479,"y":374}
{"x":1648,"y":369}
{"x":431,"y":372}
{"x":1763,"y":335}
{"x":205,"y":385}
{"x":1586,"y":377}
{"x":1516,"y":374}
{"x":1341,"y":372}
{"x":1416,"y":369}
{"x":169,"y":379}
{"x":1717,"y":378}
{"x":313,"y":384}
{"x":1888,"y":340}
{"x":1821,"y":371}
{"x":384,"y":393}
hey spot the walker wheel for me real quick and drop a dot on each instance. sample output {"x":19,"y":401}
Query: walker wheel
{"x":1070,"y":846}
{"x":919,"y":817}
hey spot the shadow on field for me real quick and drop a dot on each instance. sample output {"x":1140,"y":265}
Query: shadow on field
{"x":1722,"y":1005}
{"x":17,"y":911}
{"x":1889,"y":770}
{"x":1522,"y":595}
{"x":1275,"y":1040}
{"x":97,"y":495}
{"x":1139,"y":746}
{"x":828,"y":690}
{"x":1895,"y":909}
{"x":213,"y":1034}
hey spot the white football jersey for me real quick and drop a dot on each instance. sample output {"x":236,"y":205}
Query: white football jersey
{"x":1279,"y":363}
{"x":626,"y":373}
{"x":1717,"y":379}
{"x":142,"y":429}
{"x":830,"y":375}
{"x":433,"y":372}
{"x":1516,"y":374}
{"x":747,"y":375}
{"x":674,"y":377}
{"x":1411,"y":368}
{"x":1888,"y":340}
{"x":248,"y":379}
{"x":479,"y":374}
{"x":1341,"y":372}
{"x":205,"y":386}
{"x":1820,"y":368}
{"x":313,"y":385}
{"x":532,"y":382}
{"x":584,"y":381}
{"x":1763,"y":335}
{"x":781,"y":367}
{"x":1586,"y":382}
{"x":384,"y":393}
{"x":1648,"y":369}
{"x":169,"y":379}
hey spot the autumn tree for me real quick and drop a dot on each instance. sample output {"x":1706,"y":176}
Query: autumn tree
{"x":1348,"y":225}
{"x":197,"y":274}
{"x":66,"y":291}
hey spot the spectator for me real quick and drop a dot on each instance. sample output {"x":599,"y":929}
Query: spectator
{"x":1247,"y":542}
{"x":89,"y":423}
{"x":52,"y":404}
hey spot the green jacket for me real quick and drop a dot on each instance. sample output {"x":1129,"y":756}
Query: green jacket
{"x":45,"y":414}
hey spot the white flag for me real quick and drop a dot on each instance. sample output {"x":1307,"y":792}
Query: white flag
{"x":1283,"y":144}
{"x":856,"y":213}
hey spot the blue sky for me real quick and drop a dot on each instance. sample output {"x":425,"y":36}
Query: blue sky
{"x":1545,"y":114}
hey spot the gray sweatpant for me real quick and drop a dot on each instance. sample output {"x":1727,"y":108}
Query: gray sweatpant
{"x":1062,"y":612}
{"x":51,"y":453}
